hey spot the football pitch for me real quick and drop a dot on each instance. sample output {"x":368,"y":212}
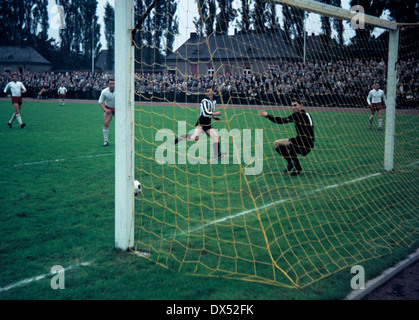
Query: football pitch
{"x":57,"y":208}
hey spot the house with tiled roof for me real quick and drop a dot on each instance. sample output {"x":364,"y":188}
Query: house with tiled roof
{"x":22,"y":59}
{"x":240,"y":53}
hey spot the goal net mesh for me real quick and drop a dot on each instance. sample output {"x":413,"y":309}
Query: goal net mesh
{"x":241,"y":217}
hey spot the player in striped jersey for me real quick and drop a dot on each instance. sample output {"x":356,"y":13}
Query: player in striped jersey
{"x":204,"y":123}
{"x":302,"y":144}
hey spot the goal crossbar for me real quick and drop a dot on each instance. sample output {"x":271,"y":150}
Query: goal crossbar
{"x":337,"y":12}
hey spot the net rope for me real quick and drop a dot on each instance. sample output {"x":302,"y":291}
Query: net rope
{"x":213,"y":219}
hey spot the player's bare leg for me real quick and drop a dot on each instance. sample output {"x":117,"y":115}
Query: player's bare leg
{"x":371,"y":119}
{"x":216,"y":143}
{"x":191,"y":137}
{"x":107,"y":117}
{"x":16,"y":116}
{"x":380,"y":120}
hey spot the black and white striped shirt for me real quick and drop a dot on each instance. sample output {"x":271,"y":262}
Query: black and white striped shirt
{"x":207,"y":108}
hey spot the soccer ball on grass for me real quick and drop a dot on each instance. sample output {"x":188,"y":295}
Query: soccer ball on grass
{"x":137,"y":187}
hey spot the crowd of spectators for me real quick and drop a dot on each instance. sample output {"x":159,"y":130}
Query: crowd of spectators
{"x":340,"y":83}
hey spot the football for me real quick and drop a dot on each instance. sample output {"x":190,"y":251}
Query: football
{"x":137,"y":187}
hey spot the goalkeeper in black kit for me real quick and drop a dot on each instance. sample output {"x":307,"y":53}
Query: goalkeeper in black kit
{"x":302,"y":144}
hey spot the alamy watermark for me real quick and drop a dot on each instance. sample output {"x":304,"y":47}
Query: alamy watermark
{"x":358,"y":20}
{"x":358,"y":280}
{"x":246,"y":147}
{"x":58,"y":280}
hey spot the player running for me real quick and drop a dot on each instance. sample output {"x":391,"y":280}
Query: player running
{"x":302,"y":144}
{"x":204,"y":123}
{"x":17,"y":89}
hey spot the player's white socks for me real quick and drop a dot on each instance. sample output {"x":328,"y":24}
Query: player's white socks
{"x":380,"y":123}
{"x":12,"y":118}
{"x":19,"y":119}
{"x":371,"y":118}
{"x":105,"y":134}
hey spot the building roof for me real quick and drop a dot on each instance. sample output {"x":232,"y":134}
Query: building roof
{"x":21,"y":55}
{"x":242,"y":46}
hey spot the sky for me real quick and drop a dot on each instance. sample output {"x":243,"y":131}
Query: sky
{"x":187,"y":10}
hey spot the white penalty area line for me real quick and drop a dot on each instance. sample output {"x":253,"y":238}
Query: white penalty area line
{"x":42,"y":276}
{"x":243,"y":213}
{"x":239,"y":214}
{"x":57,"y":160}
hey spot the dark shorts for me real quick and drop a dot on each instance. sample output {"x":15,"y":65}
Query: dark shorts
{"x":112,"y":109}
{"x":375,"y":107}
{"x":204,"y":122}
{"x":17,"y":100}
{"x":301,"y":145}
{"x":62,"y":96}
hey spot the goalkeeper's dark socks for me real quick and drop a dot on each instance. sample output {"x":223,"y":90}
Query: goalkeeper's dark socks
{"x":296,"y":172}
{"x":297,"y":167}
{"x":176,"y":140}
{"x":290,"y":166}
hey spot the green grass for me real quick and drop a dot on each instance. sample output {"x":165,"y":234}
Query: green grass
{"x":57,"y":208}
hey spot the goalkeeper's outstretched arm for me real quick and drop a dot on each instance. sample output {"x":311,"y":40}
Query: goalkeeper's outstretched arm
{"x":278,"y":120}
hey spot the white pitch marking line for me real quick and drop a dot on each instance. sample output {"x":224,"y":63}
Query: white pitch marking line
{"x":42,"y":276}
{"x":285,"y":200}
{"x":58,"y":160}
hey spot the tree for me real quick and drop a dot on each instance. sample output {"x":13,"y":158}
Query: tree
{"x":157,"y":32}
{"x":272,"y":19}
{"x":109,"y":20}
{"x":244,"y":24}
{"x":328,"y":22}
{"x":258,"y":16}
{"x":293,"y":21}
{"x":90,"y":31}
{"x":403,"y":11}
{"x":23,"y":22}
{"x":225,"y":16}
{"x":406,"y":11}
{"x":370,"y":7}
{"x":172,"y":26}
{"x":205,"y":23}
{"x":76,"y":38}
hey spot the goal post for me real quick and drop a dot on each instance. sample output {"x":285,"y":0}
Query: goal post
{"x":242,"y":217}
{"x":124,"y":125}
{"x":391,"y":100}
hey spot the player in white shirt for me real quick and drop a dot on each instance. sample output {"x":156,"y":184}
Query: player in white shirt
{"x":107,"y":103}
{"x":376,"y":98}
{"x":61,"y":94}
{"x":17,"y":89}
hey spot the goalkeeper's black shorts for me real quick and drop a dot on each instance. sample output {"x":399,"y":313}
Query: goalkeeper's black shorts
{"x":302,"y":145}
